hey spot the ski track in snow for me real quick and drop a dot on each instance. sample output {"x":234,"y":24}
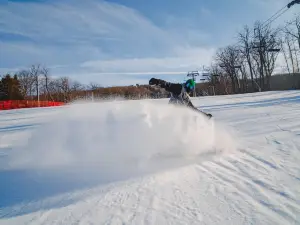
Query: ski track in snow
{"x":258,"y":183}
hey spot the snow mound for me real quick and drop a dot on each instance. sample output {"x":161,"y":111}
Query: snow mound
{"x":121,"y":137}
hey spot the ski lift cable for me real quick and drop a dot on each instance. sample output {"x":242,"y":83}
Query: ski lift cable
{"x":270,"y":20}
{"x":264,"y":26}
{"x":279,"y":13}
{"x":286,"y":7}
{"x":275,"y":14}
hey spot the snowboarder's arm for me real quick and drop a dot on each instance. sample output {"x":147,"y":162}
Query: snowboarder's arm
{"x":170,"y":87}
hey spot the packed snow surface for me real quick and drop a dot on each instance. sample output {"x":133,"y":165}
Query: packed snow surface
{"x":147,"y":162}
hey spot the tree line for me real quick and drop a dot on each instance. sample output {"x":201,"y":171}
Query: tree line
{"x":247,"y":66}
{"x":243,"y":67}
{"x":35,"y":83}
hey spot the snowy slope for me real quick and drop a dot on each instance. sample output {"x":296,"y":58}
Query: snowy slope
{"x":143,"y":162}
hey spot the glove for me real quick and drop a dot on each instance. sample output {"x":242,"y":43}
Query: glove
{"x":153,"y":81}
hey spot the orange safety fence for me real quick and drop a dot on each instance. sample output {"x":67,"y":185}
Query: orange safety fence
{"x":18,"y":104}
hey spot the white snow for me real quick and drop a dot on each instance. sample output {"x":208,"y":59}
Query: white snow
{"x":146,"y":162}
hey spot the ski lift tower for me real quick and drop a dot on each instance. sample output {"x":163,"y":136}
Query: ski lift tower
{"x":193,"y":74}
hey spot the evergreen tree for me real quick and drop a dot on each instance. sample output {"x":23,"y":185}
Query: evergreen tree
{"x":10,"y":88}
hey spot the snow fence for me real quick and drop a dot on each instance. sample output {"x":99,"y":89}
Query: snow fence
{"x":18,"y":104}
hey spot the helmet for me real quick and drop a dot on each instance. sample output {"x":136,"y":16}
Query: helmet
{"x":189,"y":85}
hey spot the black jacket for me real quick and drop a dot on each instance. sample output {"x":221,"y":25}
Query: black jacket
{"x":177,"y":91}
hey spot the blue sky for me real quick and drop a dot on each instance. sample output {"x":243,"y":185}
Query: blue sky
{"x":118,"y":42}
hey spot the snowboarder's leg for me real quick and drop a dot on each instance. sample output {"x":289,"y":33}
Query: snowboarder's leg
{"x":203,"y":113}
{"x":206,"y":114}
{"x":175,"y":101}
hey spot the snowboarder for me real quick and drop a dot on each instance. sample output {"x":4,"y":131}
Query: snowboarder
{"x":179,"y":92}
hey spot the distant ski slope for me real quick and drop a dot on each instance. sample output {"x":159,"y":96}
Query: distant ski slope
{"x":139,"y":163}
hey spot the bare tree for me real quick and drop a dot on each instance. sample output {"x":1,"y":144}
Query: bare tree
{"x":295,"y":30}
{"x":217,"y":79}
{"x":296,"y":55}
{"x":229,"y":60}
{"x":64,"y":85}
{"x":54,"y":89}
{"x":94,"y":86}
{"x":26,"y":82}
{"x":77,"y":86}
{"x":46,"y":79}
{"x":77,"y":90}
{"x":292,"y":36}
{"x":266,"y":43}
{"x":282,"y":45}
{"x":246,"y":51}
{"x":288,"y":42}
{"x":35,"y":71}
